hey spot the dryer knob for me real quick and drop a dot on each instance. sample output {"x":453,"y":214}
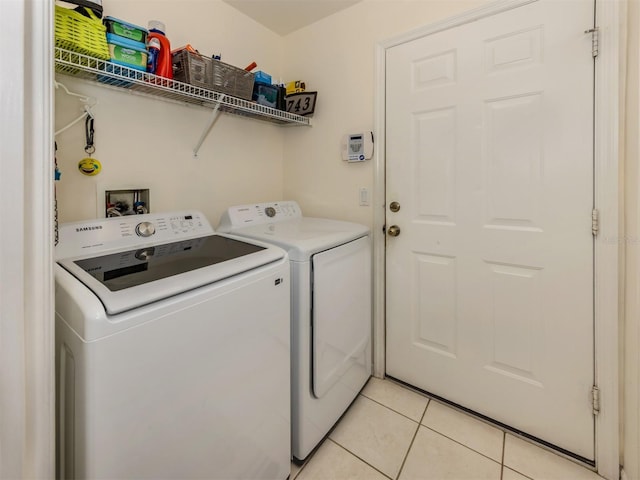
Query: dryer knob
{"x":145,"y":229}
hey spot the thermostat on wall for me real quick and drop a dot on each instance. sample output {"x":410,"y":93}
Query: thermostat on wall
{"x":357,"y":147}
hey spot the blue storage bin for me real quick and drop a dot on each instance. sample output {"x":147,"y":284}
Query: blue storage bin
{"x":126,"y":31}
{"x":260,"y":76}
{"x":127,"y":54}
{"x":268,"y":95}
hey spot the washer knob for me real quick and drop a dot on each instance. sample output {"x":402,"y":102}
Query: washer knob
{"x":270,"y":211}
{"x":145,"y":229}
{"x":145,"y":254}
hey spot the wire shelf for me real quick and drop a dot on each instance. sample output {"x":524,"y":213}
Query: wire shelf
{"x":109,"y":74}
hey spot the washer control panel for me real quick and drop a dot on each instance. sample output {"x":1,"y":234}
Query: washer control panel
{"x":104,"y":234}
{"x":258,"y":214}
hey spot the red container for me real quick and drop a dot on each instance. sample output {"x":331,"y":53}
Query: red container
{"x":164,"y":66}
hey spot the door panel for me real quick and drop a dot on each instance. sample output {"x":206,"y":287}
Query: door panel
{"x":490,"y":283}
{"x":341,"y":318}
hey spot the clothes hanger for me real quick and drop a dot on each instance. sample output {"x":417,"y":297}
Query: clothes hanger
{"x":88,"y":102}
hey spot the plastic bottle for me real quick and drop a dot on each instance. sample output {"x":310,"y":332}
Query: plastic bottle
{"x":153,"y":48}
{"x":163,"y":64}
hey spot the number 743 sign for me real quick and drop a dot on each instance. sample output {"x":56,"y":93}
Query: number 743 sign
{"x":303,"y":103}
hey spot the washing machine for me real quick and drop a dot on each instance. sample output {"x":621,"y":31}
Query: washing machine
{"x":331,"y":318}
{"x":172,"y":351}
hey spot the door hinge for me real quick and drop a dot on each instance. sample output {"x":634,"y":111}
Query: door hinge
{"x":595,"y":399}
{"x":595,"y":38}
{"x":595,"y":222}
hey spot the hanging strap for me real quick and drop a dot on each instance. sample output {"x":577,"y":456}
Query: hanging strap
{"x":89,"y":131}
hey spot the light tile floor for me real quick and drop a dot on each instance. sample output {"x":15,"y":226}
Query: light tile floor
{"x":391,"y":432}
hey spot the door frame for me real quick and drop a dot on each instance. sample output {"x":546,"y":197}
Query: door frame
{"x":608,"y":252}
{"x":27,"y":438}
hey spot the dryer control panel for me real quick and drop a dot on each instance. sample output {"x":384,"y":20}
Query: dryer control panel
{"x":258,"y":214}
{"x":130,"y":231}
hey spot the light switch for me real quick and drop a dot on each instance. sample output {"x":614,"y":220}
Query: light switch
{"x":364,"y":197}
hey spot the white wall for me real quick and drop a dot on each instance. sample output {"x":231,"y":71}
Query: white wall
{"x":147,"y":143}
{"x":336,"y":57}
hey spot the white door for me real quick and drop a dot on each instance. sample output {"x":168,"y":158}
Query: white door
{"x":490,"y":157}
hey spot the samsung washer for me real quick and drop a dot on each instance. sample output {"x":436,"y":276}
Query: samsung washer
{"x":331,"y":310}
{"x":172,"y":351}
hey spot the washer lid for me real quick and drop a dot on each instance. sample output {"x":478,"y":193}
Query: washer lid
{"x":302,"y":237}
{"x":128,"y":279}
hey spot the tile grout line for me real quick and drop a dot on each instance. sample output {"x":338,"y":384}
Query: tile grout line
{"x":491,"y":423}
{"x":395,"y":411}
{"x":406,"y":455}
{"x":504,"y":449}
{"x":429,"y":400}
{"x":328,"y":437}
{"x":504,"y":442}
{"x":453,"y":407}
{"x":356,"y":456}
{"x":471,"y":415}
{"x":301,"y":468}
{"x":461,"y":444}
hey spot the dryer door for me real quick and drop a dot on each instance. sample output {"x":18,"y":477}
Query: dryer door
{"x":341,"y":316}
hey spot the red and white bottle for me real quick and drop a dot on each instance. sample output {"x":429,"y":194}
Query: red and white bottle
{"x":159,"y":59}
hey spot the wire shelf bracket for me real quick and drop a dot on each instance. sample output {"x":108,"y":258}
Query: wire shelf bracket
{"x":214,"y":116}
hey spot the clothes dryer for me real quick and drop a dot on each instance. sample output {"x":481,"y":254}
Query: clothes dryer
{"x":172,"y":351}
{"x":330,"y":310}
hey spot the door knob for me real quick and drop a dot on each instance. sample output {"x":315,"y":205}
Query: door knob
{"x":394,"y":230}
{"x":394,"y":207}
